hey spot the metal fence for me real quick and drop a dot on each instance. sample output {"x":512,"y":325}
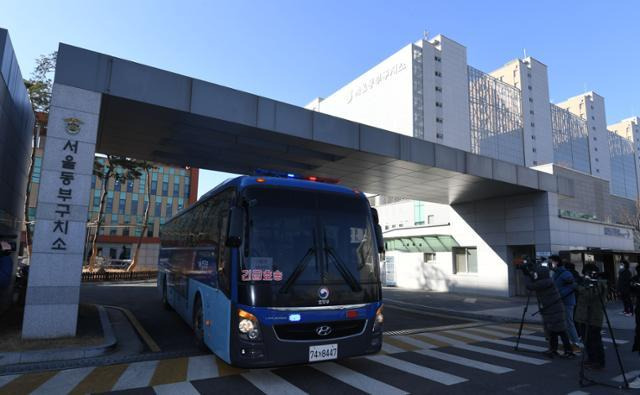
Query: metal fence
{"x":118,"y":276}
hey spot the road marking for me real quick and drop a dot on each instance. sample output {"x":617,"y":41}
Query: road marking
{"x":495,"y":332}
{"x":417,"y":370}
{"x":169,"y":371}
{"x":630,"y":376}
{"x":542,"y":339}
{"x":357,"y":379}
{"x":224,"y":369}
{"x":508,"y":329}
{"x":6,"y":379}
{"x":487,"y":367}
{"x":138,"y":374}
{"x":101,"y":379}
{"x":578,"y":393}
{"x":63,"y":382}
{"x":389,"y":349}
{"x":202,"y":367}
{"x":397,"y":343}
{"x":487,"y":351}
{"x":501,"y":342}
{"x":420,"y":344}
{"x":146,"y":337}
{"x":27,"y":382}
{"x":182,"y":388}
{"x":270,"y":383}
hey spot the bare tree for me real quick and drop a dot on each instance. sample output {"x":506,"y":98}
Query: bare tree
{"x":118,"y":169}
{"x":39,"y":88}
{"x":145,"y":221}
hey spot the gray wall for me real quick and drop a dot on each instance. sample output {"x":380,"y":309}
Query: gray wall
{"x":16,"y":126}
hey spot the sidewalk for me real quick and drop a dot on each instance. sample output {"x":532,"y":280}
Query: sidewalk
{"x":489,"y":308}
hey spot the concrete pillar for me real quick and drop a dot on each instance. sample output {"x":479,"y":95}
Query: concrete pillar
{"x":61,"y":218}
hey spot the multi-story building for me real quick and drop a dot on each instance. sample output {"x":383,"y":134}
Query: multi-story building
{"x":630,"y":129}
{"x":171,"y":190}
{"x":427,"y":90}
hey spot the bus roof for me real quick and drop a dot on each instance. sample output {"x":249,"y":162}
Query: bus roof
{"x":242,"y":182}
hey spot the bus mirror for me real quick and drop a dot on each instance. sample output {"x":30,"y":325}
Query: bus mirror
{"x":379,"y":238}
{"x":236,"y":222}
{"x":374,"y":214}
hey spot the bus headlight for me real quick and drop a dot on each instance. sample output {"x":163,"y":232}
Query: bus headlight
{"x":378,"y":320}
{"x":248,"y":325}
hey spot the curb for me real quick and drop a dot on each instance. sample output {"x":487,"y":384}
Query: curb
{"x":9,"y":360}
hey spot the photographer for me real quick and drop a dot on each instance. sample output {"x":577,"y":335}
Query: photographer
{"x":566,"y":285}
{"x":590,"y":314}
{"x":551,"y":307}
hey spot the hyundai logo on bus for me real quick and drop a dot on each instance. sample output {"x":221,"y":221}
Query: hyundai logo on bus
{"x":324,"y":330}
{"x":323,"y":293}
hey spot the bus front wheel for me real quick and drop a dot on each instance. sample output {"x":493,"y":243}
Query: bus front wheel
{"x":198,"y":324}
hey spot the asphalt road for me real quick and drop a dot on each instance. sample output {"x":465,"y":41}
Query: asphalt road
{"x":172,"y":334}
{"x":478,"y":358}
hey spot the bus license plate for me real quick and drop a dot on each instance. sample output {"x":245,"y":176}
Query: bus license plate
{"x":322,"y":353}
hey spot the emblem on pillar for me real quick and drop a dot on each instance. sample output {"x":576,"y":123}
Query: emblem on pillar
{"x":72,"y":125}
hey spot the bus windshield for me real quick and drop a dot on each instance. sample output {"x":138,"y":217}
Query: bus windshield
{"x":297,"y":238}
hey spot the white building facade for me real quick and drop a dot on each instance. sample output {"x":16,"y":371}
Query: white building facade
{"x":428,"y":91}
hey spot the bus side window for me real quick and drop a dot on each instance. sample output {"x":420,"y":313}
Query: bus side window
{"x":224,"y":256}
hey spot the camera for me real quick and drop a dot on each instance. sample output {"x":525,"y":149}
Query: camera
{"x":526,"y":264}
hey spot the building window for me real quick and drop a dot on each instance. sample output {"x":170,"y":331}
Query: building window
{"x":418,"y":213}
{"x":169,"y":209}
{"x":465,"y":260}
{"x":531,"y":100}
{"x":533,"y":124}
{"x":533,"y":149}
{"x":116,"y":185}
{"x":437,"y":58}
{"x":529,"y":75}
{"x":130,"y":186}
{"x":438,"y":89}
{"x":158,"y":208}
{"x":593,"y":128}
{"x":597,"y":160}
{"x":533,"y":137}
{"x":134,"y":204}
{"x":438,"y":120}
{"x":595,"y":138}
{"x":37,"y":168}
{"x":122,"y":204}
{"x":593,"y":118}
{"x":535,"y":162}
{"x":438,"y":74}
{"x":595,"y":149}
{"x":439,"y":135}
{"x":109,"y":208}
{"x":165,"y":188}
{"x":93,"y":181}
{"x":154,"y":187}
{"x":531,"y":112}
{"x":429,"y":257}
{"x":430,"y":219}
{"x":438,"y":104}
{"x":529,"y":87}
{"x":176,"y":189}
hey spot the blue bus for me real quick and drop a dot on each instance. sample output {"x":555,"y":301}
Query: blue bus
{"x":274,"y":271}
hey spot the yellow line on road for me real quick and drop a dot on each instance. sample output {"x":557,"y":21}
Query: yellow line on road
{"x":170,"y":371}
{"x":101,"y":379}
{"x":153,"y":346}
{"x":399,"y":343}
{"x":27,"y":383}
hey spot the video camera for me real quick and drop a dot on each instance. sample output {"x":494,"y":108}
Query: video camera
{"x":526,"y":264}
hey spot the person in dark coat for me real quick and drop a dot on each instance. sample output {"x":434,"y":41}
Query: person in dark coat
{"x":566,"y":285}
{"x":624,"y":288}
{"x":635,"y":292}
{"x":590,"y":315}
{"x":552,"y":310}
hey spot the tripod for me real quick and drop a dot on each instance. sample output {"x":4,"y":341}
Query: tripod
{"x":524,"y":312}
{"x":583,"y":379}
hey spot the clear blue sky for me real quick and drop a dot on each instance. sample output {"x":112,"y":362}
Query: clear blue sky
{"x":296,"y":50}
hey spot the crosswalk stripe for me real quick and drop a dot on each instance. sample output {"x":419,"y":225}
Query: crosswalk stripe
{"x":182,"y":388}
{"x":169,"y":371}
{"x":138,"y":374}
{"x":488,"y":351}
{"x":509,"y":328}
{"x":501,"y":342}
{"x":487,"y":367}
{"x":421,"y":371}
{"x":202,"y":367}
{"x":389,"y":349}
{"x":63,"y":382}
{"x":578,"y":393}
{"x":224,"y":369}
{"x":270,"y":383}
{"x":630,"y":376}
{"x":542,"y":339}
{"x":101,"y":379}
{"x":393,"y":340}
{"x":357,"y":379}
{"x":420,"y":344}
{"x":496,"y":332}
